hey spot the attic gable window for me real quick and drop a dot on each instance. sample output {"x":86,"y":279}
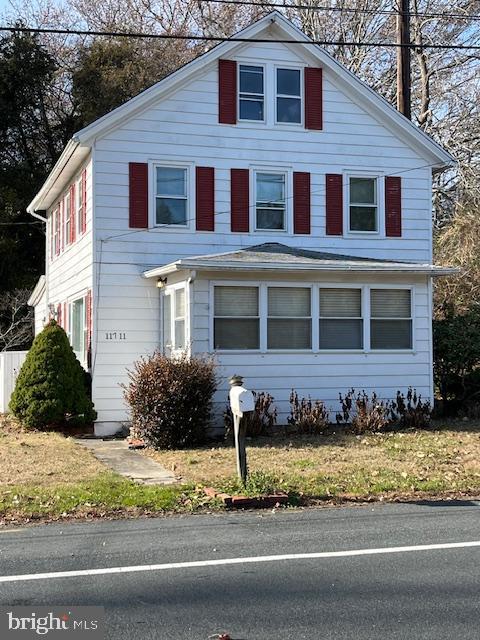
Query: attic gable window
{"x":289,"y":100}
{"x":251,"y":95}
{"x":171,"y":196}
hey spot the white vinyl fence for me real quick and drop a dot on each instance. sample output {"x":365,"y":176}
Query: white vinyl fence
{"x":10,"y":363}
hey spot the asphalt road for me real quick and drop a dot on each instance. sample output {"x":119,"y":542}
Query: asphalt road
{"x":415,"y":594}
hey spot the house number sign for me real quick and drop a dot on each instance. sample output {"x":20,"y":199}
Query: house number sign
{"x":115,"y":335}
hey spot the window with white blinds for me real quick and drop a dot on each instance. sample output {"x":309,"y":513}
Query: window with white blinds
{"x":289,"y":323}
{"x":390,"y":319}
{"x":236,"y":318}
{"x":341,"y":323}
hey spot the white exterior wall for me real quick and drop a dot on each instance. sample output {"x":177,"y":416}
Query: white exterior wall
{"x":10,"y":365}
{"x":70,"y":274}
{"x":40,"y":314}
{"x":184,"y":128}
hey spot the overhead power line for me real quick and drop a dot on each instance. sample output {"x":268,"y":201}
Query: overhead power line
{"x":169,"y":36}
{"x":387,"y":12}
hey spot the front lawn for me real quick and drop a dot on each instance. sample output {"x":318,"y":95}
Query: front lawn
{"x":343,"y":466}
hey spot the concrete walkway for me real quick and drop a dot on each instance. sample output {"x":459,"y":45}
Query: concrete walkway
{"x":131,"y":464}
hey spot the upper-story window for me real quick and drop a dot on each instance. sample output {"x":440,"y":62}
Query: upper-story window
{"x":56,"y":231}
{"x":270,"y":204}
{"x":289,"y":97}
{"x":67,"y":208}
{"x":171,"y":196}
{"x":79,"y":207}
{"x":251,"y":95}
{"x":363,"y":204}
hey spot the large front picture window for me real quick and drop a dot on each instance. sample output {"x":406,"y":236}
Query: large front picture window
{"x":270,"y":201}
{"x":171,"y":196}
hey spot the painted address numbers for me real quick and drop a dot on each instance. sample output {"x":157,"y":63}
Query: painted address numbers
{"x":115,"y":335}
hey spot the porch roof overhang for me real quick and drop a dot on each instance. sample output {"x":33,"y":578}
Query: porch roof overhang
{"x":281,"y":258}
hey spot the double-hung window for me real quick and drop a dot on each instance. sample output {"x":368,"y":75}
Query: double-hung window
{"x":289,"y":322}
{"x":236,"y":318}
{"x":363,"y":204}
{"x":78,"y":328}
{"x":341,"y":323}
{"x":171,"y":196}
{"x":270,"y":209}
{"x":68,"y":217}
{"x":174,"y":318}
{"x":56,"y":230}
{"x":390,"y":318}
{"x":289,"y":99}
{"x":251,"y":94}
{"x":79,"y":207}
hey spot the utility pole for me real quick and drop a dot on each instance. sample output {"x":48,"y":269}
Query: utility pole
{"x":403,"y":59}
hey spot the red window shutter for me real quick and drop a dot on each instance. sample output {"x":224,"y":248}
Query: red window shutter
{"x":84,"y":201}
{"x":313,"y":98}
{"x":227,"y":91}
{"x":73,"y":228}
{"x":59,"y":314}
{"x":239,"y":199}
{"x":393,"y":206}
{"x":88,"y":321}
{"x":334,"y":204}
{"x":138,"y":174}
{"x":205,"y":198}
{"x":301,"y":202}
{"x":65,"y":316}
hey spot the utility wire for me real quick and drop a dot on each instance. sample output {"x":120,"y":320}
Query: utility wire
{"x":386,"y":12}
{"x":168,"y":36}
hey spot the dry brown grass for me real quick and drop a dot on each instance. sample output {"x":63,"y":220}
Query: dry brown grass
{"x":442,"y":458}
{"x":42,"y":458}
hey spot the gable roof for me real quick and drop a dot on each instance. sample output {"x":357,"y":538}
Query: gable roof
{"x":273,"y":256}
{"x":272,"y":26}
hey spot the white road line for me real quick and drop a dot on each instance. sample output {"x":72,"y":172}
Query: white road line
{"x":230,"y":561}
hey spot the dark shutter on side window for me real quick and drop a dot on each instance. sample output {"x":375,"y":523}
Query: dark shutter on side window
{"x":239,"y":199}
{"x":138,"y":191}
{"x":301,"y":202}
{"x":393,"y":206}
{"x":334,"y":204}
{"x":227,"y":91}
{"x":313,"y":98}
{"x":205,"y":198}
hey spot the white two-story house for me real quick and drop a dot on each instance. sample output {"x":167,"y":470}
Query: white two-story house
{"x":261,"y":204}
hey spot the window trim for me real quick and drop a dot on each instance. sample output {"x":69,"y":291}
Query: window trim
{"x":315,"y":317}
{"x":288,"y":175}
{"x":71,"y":301}
{"x":264,"y":67}
{"x":380,"y":191}
{"x":301,"y":97}
{"x":190,"y":197}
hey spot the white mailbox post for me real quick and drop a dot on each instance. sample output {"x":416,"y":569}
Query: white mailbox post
{"x":241,"y":402}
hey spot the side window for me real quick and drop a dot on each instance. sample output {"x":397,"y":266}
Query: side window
{"x":289,"y":323}
{"x":171,"y":196}
{"x":363,"y":204}
{"x":79,"y":207}
{"x":78,"y":328}
{"x":56,"y":233}
{"x":251,"y":94}
{"x":288,"y":99}
{"x":341,"y":323}
{"x":68,"y":218}
{"x":236,"y":318}
{"x":390,"y":319}
{"x":270,"y":201}
{"x":174,"y":320}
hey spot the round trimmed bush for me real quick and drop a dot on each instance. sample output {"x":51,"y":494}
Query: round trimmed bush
{"x":170,"y":400}
{"x":51,"y":386}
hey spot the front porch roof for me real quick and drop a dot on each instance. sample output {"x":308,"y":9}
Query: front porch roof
{"x":273,"y":256}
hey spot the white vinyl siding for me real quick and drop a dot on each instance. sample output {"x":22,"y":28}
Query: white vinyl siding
{"x":341,"y":323}
{"x":391,"y":319}
{"x":289,"y":324}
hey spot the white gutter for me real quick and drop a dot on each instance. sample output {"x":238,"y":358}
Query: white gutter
{"x":278,"y":266}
